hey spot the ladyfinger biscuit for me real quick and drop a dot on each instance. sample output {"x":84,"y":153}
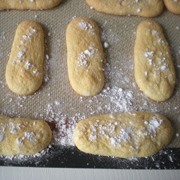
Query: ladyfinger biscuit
{"x":84,"y":56}
{"x":28,"y":4}
{"x":145,"y":8}
{"x":173,"y":6}
{"x":153,"y":66}
{"x":19,"y":136}
{"x":24,"y":70}
{"x":125,"y":135}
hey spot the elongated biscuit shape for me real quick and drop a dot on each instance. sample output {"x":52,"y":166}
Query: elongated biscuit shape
{"x":84,"y":56}
{"x":19,"y":136}
{"x":153,"y":66}
{"x":173,"y":6}
{"x":125,"y":135}
{"x":145,"y":8}
{"x":28,"y":4}
{"x":24,"y":70}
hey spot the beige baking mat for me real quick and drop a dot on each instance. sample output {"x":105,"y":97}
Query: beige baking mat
{"x":55,"y":100}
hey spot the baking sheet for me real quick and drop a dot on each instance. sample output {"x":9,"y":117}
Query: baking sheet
{"x":55,"y":101}
{"x":71,"y":157}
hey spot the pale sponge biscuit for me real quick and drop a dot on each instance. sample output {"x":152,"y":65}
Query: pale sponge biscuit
{"x":145,"y":8}
{"x":173,"y":6}
{"x":19,"y":136}
{"x":84,"y":56}
{"x":28,"y":4}
{"x":153,"y":66}
{"x":125,"y":135}
{"x":24,"y":70}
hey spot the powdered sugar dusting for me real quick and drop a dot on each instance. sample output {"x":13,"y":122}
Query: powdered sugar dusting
{"x":85,"y":25}
{"x":29,"y":135}
{"x":153,"y":125}
{"x":118,"y":100}
{"x":84,"y":57}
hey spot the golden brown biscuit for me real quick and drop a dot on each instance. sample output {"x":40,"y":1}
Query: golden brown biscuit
{"x":84,"y":56}
{"x":28,"y":4}
{"x":125,"y":135}
{"x":153,"y":66}
{"x":24,"y":71}
{"x":19,"y":136}
{"x":146,"y":8}
{"x":173,"y":6}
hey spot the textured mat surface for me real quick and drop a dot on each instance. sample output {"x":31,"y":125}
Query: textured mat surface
{"x":55,"y":101}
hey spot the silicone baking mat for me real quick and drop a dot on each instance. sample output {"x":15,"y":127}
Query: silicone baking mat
{"x":58,"y":104}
